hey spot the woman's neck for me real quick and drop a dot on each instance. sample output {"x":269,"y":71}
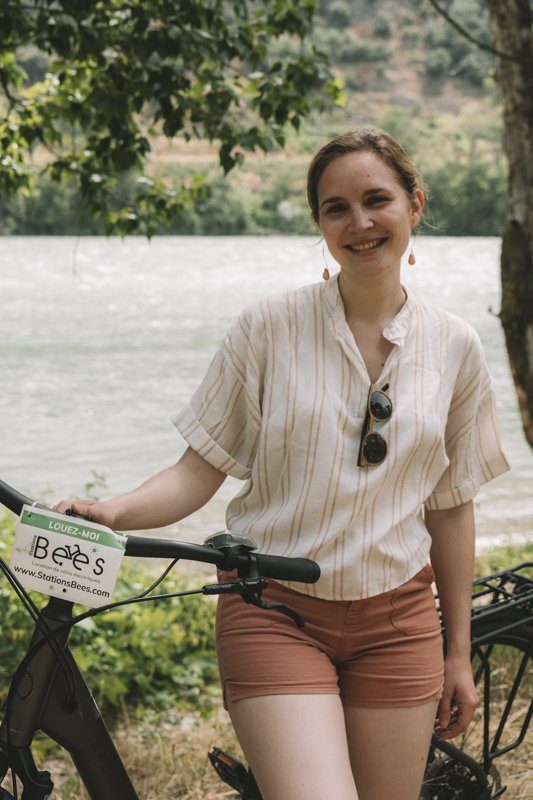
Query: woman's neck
{"x":371,"y":302}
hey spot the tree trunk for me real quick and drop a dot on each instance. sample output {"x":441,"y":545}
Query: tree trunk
{"x":511,"y":27}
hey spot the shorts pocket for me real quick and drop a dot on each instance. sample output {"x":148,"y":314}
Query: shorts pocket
{"x":413,"y":609}
{"x":234,"y":615}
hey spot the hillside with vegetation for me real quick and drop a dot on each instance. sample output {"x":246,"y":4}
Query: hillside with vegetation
{"x":404,"y":68}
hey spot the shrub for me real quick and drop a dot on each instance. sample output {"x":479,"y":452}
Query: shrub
{"x":156,"y":654}
{"x":354,"y":50}
{"x":410,"y":33}
{"x":467,"y":199}
{"x":51,"y":209}
{"x":281,"y":208}
{"x":339,"y":14}
{"x":382,"y":26}
{"x":438,"y":62}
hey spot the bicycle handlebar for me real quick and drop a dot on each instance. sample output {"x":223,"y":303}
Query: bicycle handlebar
{"x":277,"y":567}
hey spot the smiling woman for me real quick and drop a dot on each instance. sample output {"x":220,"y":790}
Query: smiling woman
{"x":362,"y":421}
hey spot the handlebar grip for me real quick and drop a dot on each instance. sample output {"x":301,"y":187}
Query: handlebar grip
{"x":288,"y":569}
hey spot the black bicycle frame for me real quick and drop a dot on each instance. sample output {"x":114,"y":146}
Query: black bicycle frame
{"x":493,"y":750}
{"x":40,"y":703}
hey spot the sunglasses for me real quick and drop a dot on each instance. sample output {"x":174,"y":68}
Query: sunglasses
{"x":372,"y":446}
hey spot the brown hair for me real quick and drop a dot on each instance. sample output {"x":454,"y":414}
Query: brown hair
{"x":373,"y":140}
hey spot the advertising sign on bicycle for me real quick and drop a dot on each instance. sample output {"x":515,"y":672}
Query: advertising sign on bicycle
{"x":67,"y":557}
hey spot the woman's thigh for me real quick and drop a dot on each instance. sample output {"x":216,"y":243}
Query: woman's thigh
{"x":389,"y":748}
{"x":296,"y":746}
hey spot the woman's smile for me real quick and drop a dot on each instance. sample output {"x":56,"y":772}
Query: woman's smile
{"x":369,"y":247}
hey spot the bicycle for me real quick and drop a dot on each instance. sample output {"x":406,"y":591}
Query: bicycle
{"x":54,"y":697}
{"x":48,"y":691}
{"x":502,"y":617}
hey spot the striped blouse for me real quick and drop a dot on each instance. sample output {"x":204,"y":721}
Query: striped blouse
{"x":282,"y":407}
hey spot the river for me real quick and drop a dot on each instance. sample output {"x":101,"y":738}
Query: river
{"x":103,"y":340}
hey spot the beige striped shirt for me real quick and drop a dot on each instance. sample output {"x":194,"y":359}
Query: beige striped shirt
{"x":282,"y":407}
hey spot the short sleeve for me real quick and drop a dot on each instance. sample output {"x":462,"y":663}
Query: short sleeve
{"x":223,"y":419}
{"x":472,"y":436}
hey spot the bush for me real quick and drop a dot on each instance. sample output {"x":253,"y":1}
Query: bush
{"x":410,"y":33}
{"x":467,"y":199}
{"x":382,"y":26}
{"x":51,"y":209}
{"x":281,"y":208}
{"x":353,"y":50}
{"x":438,"y":62}
{"x":155,"y":654}
{"x":339,"y":14}
{"x":499,"y":558}
{"x":220,"y":213}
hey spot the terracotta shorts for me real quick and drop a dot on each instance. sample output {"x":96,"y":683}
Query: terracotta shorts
{"x":384,"y":651}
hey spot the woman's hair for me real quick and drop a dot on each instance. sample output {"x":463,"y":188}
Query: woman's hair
{"x":371,"y":140}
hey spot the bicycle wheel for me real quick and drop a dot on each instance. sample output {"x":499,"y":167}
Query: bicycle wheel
{"x":447,"y":779}
{"x":498,"y":656}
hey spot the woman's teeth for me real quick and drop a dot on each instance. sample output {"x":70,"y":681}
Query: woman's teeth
{"x":365,"y":246}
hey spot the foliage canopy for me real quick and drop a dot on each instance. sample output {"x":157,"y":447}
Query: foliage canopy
{"x":91,"y":84}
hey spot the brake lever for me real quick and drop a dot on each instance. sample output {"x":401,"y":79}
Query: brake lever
{"x":250,"y":591}
{"x":282,"y":609}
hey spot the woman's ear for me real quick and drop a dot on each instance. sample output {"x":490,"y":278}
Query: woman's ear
{"x":417,"y":207}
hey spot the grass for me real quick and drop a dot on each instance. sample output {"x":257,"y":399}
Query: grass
{"x":166,"y":753}
{"x":167,"y":757}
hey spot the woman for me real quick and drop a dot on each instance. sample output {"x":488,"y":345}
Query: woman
{"x":363,"y":423}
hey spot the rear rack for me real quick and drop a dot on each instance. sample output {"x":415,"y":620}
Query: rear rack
{"x":502,"y":611}
{"x":501,"y":601}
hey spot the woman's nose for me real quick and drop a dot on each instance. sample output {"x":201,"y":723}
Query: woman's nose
{"x":360,"y":219}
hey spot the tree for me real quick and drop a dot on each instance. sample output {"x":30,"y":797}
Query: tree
{"x":512,"y":46}
{"x":119,"y":72}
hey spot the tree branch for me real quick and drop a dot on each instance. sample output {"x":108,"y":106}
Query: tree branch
{"x":464,"y":32}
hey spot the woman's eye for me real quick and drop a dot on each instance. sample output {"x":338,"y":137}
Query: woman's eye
{"x":335,"y":208}
{"x":376,"y":199}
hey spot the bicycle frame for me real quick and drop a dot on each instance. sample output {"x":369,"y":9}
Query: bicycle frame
{"x":39,"y":704}
{"x":517,"y":608}
{"x":502,"y":613}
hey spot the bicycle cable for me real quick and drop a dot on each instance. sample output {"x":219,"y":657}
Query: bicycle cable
{"x":40,"y":623}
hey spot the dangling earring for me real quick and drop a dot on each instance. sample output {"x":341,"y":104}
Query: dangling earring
{"x":412,"y":260}
{"x":325,"y":274}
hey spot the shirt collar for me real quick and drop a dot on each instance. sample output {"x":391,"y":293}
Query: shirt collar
{"x":397,"y":329}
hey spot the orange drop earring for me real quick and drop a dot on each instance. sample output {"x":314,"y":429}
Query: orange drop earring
{"x":326,"y":276}
{"x":412,"y":260}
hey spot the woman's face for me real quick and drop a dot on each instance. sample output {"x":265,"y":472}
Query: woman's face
{"x":365,"y":215}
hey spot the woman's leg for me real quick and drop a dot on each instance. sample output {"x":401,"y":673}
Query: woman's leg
{"x":296,"y":746}
{"x":389,"y":749}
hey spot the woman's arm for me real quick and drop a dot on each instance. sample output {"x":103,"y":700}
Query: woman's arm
{"x":452,"y":557}
{"x":164,"y":498}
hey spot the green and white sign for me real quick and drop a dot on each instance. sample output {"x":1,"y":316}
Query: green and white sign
{"x":66,"y":556}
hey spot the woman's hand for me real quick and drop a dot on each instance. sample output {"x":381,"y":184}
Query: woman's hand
{"x":459,"y":699}
{"x":90,"y":509}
